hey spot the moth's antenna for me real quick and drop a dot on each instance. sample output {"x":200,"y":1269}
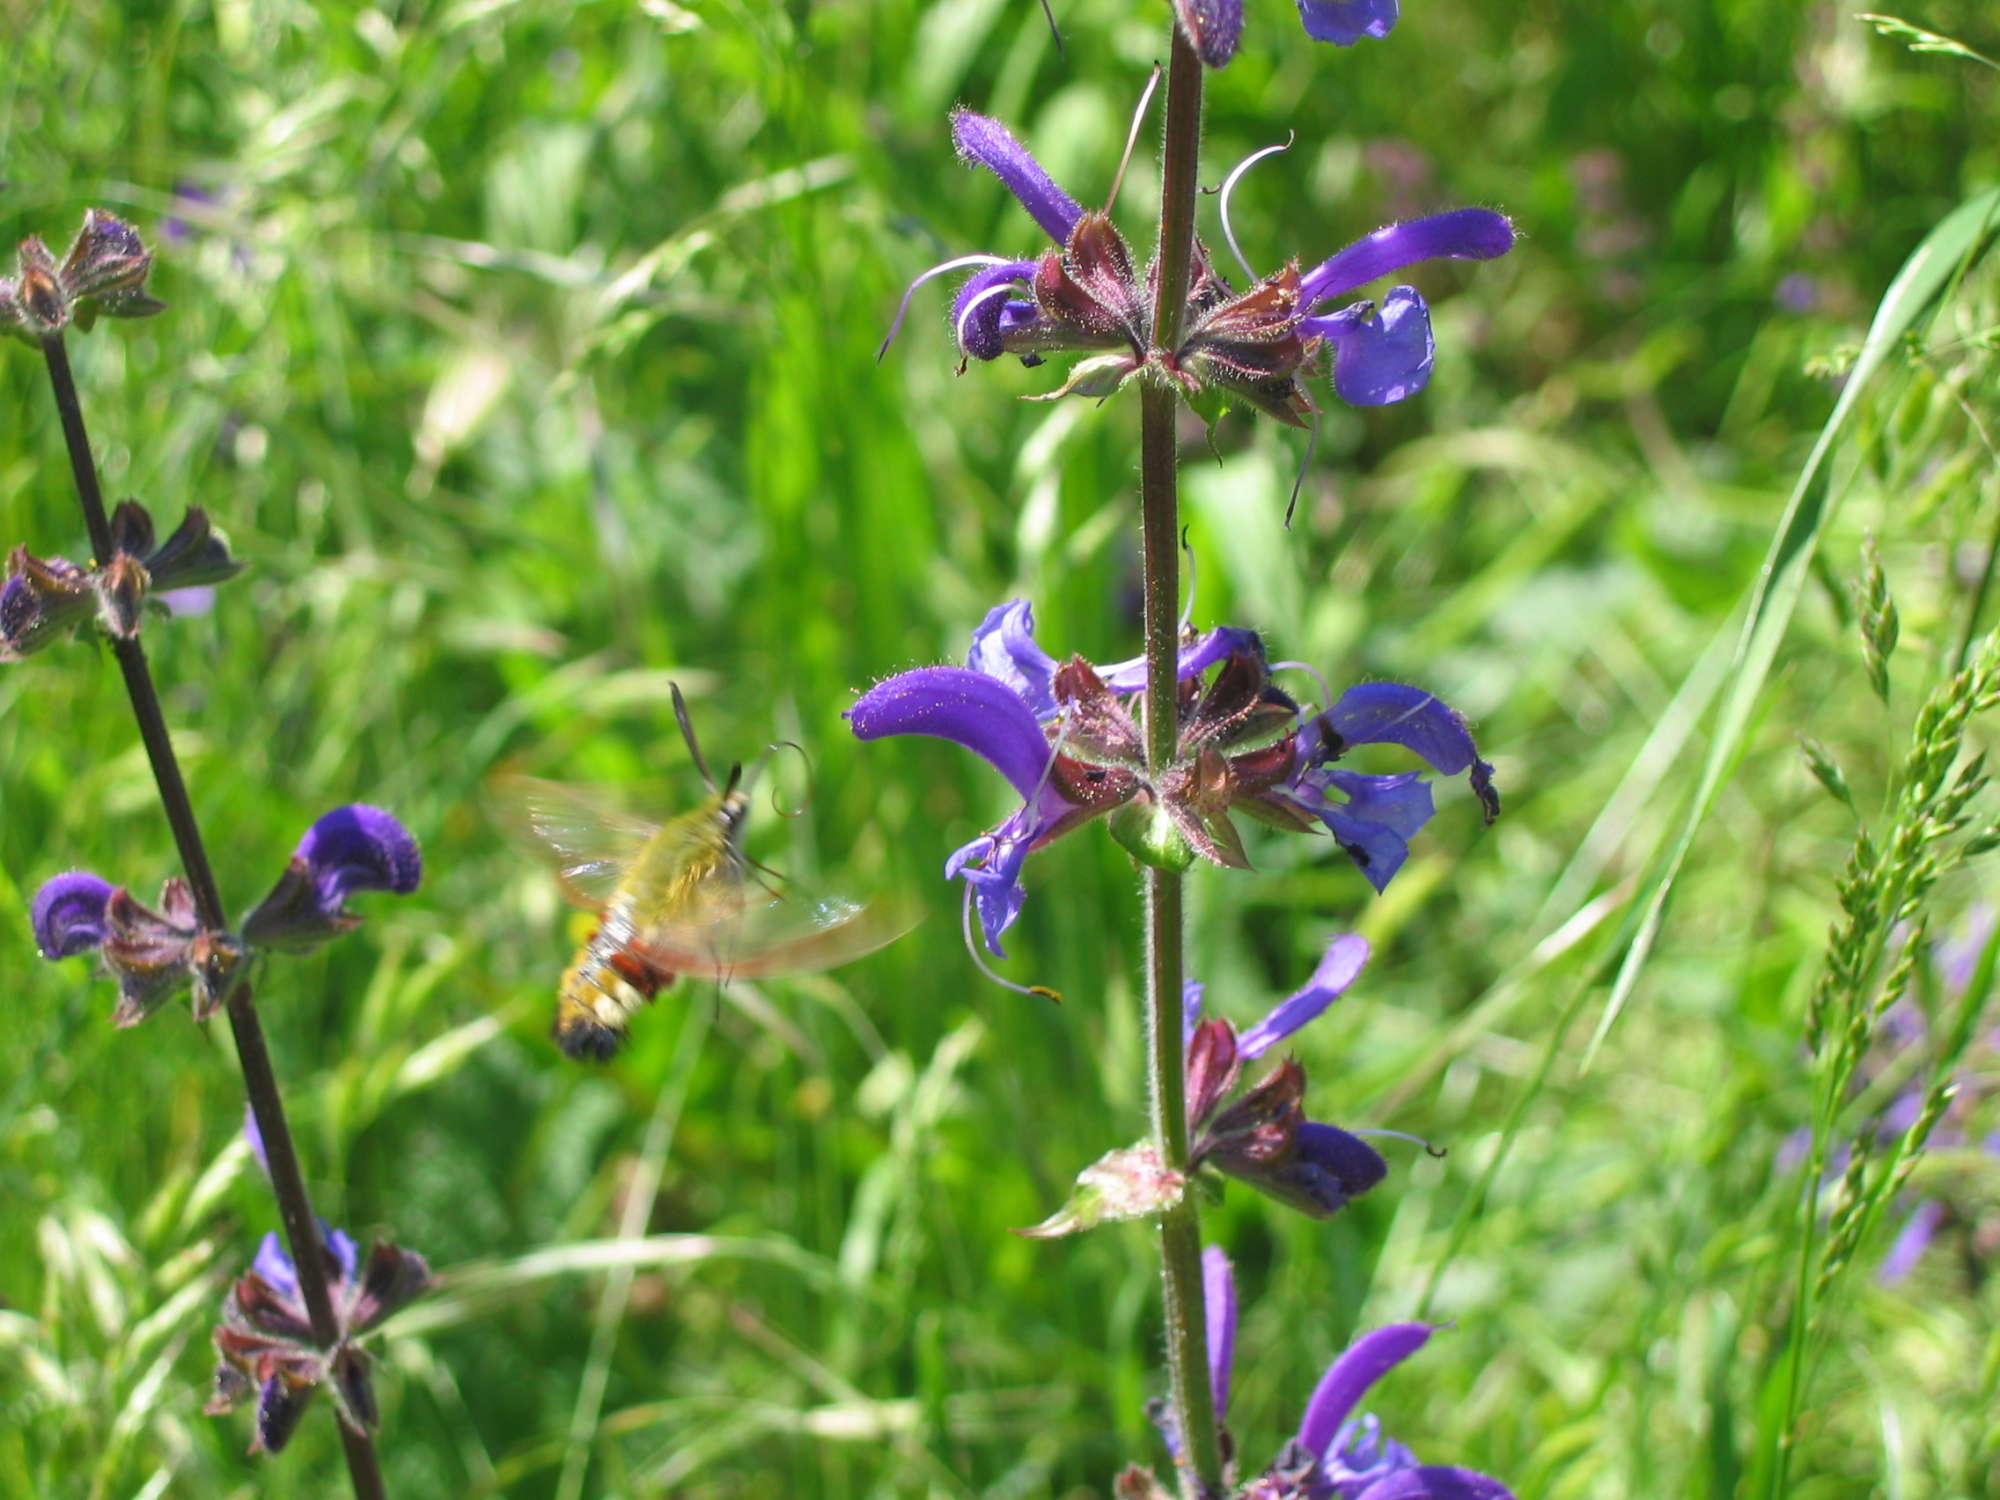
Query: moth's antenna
{"x":694,"y":745}
{"x":1132,"y":136}
{"x":1055,"y":31}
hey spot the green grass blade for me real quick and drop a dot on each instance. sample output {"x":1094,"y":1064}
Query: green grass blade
{"x":1937,"y":261}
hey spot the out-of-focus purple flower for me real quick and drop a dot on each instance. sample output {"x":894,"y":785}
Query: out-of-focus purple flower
{"x":1263,"y":1138}
{"x":155,"y":954}
{"x":68,"y":914}
{"x":1797,"y":292}
{"x":352,"y":848}
{"x":1902,"y":1032}
{"x":45,"y":598}
{"x":42,"y":599}
{"x":1087,"y":292}
{"x":150,"y":953}
{"x":1214,"y":27}
{"x":104,"y":272}
{"x":1064,"y":736}
{"x":265,"y":1339}
{"x":1335,"y":1455}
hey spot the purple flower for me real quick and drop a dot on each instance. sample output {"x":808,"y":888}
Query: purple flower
{"x":1263,"y":1138}
{"x":265,"y":1339}
{"x":352,"y":848}
{"x":1335,"y":1453}
{"x":1214,"y":27}
{"x":104,"y":272}
{"x":44,"y":598}
{"x":155,"y":954}
{"x":1088,"y":293}
{"x":68,"y":914}
{"x":152,"y":954}
{"x":1064,"y":736}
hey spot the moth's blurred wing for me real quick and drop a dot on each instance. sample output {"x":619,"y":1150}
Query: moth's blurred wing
{"x":743,"y":932}
{"x":582,"y":832}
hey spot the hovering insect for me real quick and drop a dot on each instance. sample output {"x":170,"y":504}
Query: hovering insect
{"x":676,"y":898}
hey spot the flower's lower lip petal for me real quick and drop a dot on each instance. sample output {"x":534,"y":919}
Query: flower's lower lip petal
{"x":1381,"y":360}
{"x":966,"y":707}
{"x":1347,"y":1379}
{"x":68,"y":914}
{"x":1394,"y":713}
{"x":1347,"y":1159}
{"x":1462,"y":234}
{"x":1436,"y":1482}
{"x":979,"y":313}
{"x":1377,"y":850}
{"x":1401,"y":802}
{"x":1345,"y":22}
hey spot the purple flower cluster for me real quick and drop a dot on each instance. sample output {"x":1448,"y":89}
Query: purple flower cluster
{"x":1263,"y":1138}
{"x":154,"y":954}
{"x":1063,"y":734}
{"x":1087,"y":293}
{"x":265,"y":1340}
{"x":1334,"y":1455}
{"x":45,"y":598}
{"x":1215,"y":27}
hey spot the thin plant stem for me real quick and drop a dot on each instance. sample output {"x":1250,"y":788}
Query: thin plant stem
{"x":1180,"y":1226}
{"x":260,"y":1081}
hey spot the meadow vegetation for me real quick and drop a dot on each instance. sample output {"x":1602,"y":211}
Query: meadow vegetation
{"x":526,"y":353}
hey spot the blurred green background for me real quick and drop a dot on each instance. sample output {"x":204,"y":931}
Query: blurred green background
{"x":526,"y":352}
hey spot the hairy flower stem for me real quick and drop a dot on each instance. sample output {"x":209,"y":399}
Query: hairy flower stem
{"x":261,"y":1083}
{"x":1180,"y":1226}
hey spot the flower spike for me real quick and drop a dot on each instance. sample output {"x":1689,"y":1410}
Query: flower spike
{"x":1064,"y":737}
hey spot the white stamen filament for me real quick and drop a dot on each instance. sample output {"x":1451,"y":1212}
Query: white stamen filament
{"x":1004,"y":289}
{"x":1310,"y":671}
{"x":957,"y":264}
{"x":1229,"y":186}
{"x":979,"y":961}
{"x":1187,"y":610}
{"x":1132,"y":137}
{"x":1403,"y":1135}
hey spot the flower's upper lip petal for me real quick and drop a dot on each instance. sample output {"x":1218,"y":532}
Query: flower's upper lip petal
{"x":1380,"y":360}
{"x":1345,"y":22}
{"x":985,"y":142}
{"x":968,"y":708}
{"x":1344,"y":958}
{"x":1347,"y":1379}
{"x":1462,"y":234}
{"x":360,"y":848}
{"x":1218,"y":1290}
{"x":1393,"y":712}
{"x":1436,"y":1482}
{"x":68,"y":914}
{"x":1215,"y":27}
